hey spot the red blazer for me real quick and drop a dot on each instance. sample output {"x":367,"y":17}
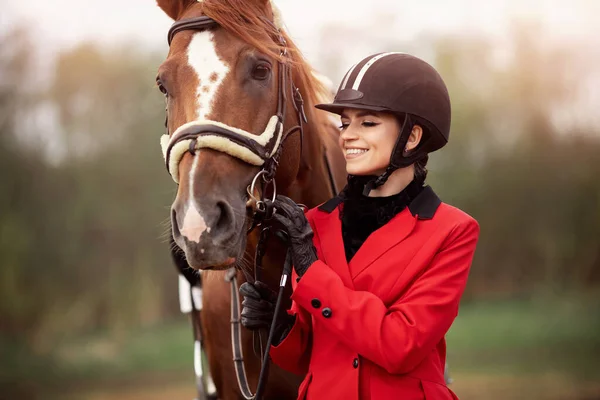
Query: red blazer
{"x":374,"y":328}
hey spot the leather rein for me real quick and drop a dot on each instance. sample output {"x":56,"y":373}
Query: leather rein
{"x":269,"y":154}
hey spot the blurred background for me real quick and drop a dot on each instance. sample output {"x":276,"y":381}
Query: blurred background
{"x":89,"y":294}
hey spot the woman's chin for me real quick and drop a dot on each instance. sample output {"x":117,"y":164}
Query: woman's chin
{"x":365,"y":164}
{"x":357,"y":171}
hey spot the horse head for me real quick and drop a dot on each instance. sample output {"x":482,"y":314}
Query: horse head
{"x":230,"y":97}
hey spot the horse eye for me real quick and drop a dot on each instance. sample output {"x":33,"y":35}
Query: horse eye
{"x":261,"y":72}
{"x":161,"y":87}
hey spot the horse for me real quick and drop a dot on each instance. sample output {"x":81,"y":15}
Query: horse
{"x":241,"y":127}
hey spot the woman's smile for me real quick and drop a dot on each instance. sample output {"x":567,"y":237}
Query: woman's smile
{"x":352,"y":153}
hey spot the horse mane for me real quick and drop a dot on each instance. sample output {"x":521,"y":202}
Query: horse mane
{"x":257,"y":23}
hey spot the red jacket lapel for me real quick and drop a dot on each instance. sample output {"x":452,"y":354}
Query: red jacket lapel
{"x":329,"y":230}
{"x":382,"y":240}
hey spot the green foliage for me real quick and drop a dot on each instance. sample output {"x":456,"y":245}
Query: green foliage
{"x":81,"y":238}
{"x":531,"y":183}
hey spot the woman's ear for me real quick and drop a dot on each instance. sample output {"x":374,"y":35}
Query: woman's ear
{"x":414,"y":138}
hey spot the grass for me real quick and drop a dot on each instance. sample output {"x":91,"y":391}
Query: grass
{"x":547,"y":349}
{"x":559,"y":336}
{"x":164,"y":348}
{"x":146,"y":357}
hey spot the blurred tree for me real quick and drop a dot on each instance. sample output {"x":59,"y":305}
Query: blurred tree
{"x":111,"y":117}
{"x":80,"y":239}
{"x":16,"y":169}
{"x":518,"y":172}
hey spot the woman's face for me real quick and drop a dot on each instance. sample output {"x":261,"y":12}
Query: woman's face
{"x":367,"y":139}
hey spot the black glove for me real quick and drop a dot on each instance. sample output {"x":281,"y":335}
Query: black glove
{"x":291,"y":217}
{"x":258,"y":308}
{"x":258,"y":305}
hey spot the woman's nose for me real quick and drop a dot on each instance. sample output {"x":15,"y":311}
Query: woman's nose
{"x":349,"y":133}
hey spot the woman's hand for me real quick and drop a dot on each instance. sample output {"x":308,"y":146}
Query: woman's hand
{"x":258,"y":308}
{"x":258,"y":305}
{"x":291,"y":218}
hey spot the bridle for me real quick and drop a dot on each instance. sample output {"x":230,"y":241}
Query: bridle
{"x":262,"y":150}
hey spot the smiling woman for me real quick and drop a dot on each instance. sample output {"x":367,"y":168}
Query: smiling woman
{"x":381,"y":267}
{"x":397,"y":108}
{"x":368,"y":139}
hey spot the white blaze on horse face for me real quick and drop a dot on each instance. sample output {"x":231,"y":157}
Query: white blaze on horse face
{"x":194,"y":224}
{"x":210,"y":70}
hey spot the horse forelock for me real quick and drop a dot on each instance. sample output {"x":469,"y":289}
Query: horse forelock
{"x":259,"y":24}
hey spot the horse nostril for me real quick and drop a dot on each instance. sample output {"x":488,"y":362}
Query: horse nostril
{"x":174,"y":224}
{"x":225,"y":218}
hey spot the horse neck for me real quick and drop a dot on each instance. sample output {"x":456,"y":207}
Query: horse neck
{"x":313,"y":177}
{"x":312,"y":184}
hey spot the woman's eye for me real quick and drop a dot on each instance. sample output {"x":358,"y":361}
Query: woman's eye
{"x":369,"y":124}
{"x":261,"y":72}
{"x":343,"y":126}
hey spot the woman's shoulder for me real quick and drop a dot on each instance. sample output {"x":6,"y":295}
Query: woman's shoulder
{"x":450,"y":212}
{"x":456,"y":222}
{"x":428,"y":206}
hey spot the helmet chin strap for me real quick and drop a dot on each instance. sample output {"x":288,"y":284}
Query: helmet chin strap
{"x":397,"y":160}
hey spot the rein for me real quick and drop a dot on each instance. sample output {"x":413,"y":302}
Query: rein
{"x":262,"y":150}
{"x":236,"y":333}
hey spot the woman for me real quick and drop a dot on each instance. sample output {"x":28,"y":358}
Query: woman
{"x":380,"y":268}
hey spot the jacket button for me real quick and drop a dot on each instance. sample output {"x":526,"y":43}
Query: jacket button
{"x":355,"y":363}
{"x":316,"y":303}
{"x":326,"y":312}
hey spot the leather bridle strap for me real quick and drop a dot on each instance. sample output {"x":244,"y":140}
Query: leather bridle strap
{"x":236,"y":333}
{"x":195,"y":24}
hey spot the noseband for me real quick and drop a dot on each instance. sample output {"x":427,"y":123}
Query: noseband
{"x":262,"y":150}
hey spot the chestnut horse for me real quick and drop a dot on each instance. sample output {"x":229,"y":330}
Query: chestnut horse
{"x":224,"y":79}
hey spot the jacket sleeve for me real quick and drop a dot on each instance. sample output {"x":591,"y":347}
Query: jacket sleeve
{"x":398,"y":337}
{"x":293,"y":353}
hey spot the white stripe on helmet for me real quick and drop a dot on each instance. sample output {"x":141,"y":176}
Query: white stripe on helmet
{"x":345,"y":81}
{"x":369,"y":63}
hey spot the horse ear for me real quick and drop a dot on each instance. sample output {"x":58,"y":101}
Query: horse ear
{"x":175,"y":8}
{"x":276,"y":14}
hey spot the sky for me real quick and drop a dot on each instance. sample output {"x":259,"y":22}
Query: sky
{"x":62,"y":23}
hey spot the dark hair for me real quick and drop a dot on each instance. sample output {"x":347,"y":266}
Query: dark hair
{"x":421,"y":163}
{"x":421,"y":168}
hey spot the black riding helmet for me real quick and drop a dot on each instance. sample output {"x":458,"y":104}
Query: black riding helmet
{"x":403,"y":85}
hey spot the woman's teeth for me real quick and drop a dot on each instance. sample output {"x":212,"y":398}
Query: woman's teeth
{"x":355,"y":151}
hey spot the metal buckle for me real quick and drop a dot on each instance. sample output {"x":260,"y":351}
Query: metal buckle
{"x":252,"y":186}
